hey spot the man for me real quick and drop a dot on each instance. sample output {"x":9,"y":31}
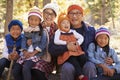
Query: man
{"x":75,"y":15}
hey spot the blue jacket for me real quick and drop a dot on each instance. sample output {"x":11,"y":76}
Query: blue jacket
{"x":37,"y":41}
{"x":11,"y":42}
{"x":88,"y":33}
{"x":98,"y":56}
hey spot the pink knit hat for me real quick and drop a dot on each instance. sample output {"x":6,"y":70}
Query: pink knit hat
{"x":102,"y":30}
{"x":35,"y":11}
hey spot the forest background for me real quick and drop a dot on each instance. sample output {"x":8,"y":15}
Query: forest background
{"x":96,"y":13}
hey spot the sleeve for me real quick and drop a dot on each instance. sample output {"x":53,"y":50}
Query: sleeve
{"x":91,"y":54}
{"x":5,"y":50}
{"x":79,"y":37}
{"x":24,"y":43}
{"x":57,"y":40}
{"x":116,"y":61}
{"x":56,"y":50}
{"x":43,"y":42}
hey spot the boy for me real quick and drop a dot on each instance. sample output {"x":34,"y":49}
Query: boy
{"x":13,"y":39}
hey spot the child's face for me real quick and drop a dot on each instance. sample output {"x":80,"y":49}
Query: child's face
{"x":29,"y":42}
{"x":65,"y":25}
{"x":102,"y":40}
{"x":15,"y":31}
{"x":34,"y":21}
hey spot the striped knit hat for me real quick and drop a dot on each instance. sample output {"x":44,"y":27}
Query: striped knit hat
{"x":35,"y":11}
{"x":102,"y":30}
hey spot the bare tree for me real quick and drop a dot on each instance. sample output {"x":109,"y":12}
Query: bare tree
{"x":30,"y":4}
{"x":36,"y":3}
{"x":9,"y":15}
{"x":111,"y":13}
{"x":45,"y":2}
{"x":103,"y":12}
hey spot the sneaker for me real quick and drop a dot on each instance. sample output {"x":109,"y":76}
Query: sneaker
{"x":85,"y":78}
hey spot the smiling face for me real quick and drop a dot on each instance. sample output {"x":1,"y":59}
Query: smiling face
{"x":65,"y":26}
{"x":75,"y":17}
{"x":102,"y":40}
{"x":15,"y":31}
{"x":34,"y":21}
{"x":49,"y":15}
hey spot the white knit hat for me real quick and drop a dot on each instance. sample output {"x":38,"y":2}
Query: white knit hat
{"x":35,"y":11}
{"x":54,"y":6}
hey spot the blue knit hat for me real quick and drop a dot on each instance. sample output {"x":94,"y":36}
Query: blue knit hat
{"x":102,"y":30}
{"x":15,"y":22}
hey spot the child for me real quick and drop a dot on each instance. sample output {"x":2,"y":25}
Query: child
{"x":13,"y":39}
{"x":100,"y":54}
{"x":65,"y":35}
{"x":50,"y":11}
{"x":33,"y":45}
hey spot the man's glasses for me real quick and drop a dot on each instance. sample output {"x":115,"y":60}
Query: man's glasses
{"x":76,"y":13}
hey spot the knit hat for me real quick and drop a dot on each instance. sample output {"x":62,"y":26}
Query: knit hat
{"x":74,"y":6}
{"x":15,"y":22}
{"x":102,"y":30}
{"x":61,"y":17}
{"x":35,"y":11}
{"x":54,"y":6}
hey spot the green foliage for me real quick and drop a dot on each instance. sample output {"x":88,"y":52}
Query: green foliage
{"x":96,"y":6}
{"x":2,"y":9}
{"x":91,"y":8}
{"x":63,"y":4}
{"x":21,"y":9}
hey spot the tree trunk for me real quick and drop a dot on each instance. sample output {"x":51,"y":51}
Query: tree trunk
{"x":103,"y":12}
{"x":36,"y":3}
{"x":111,"y":13}
{"x":45,"y":2}
{"x":9,"y":15}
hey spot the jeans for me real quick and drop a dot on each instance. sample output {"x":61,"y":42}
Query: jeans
{"x":23,"y":72}
{"x":102,"y":77}
{"x":27,"y":69}
{"x":3,"y":63}
{"x":78,"y":63}
{"x":38,"y":75}
{"x":17,"y":72}
{"x":68,"y":71}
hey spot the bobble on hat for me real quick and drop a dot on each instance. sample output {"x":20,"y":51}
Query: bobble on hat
{"x":102,"y":30}
{"x":15,"y":22}
{"x":74,"y":6}
{"x":54,"y":6}
{"x":35,"y":11}
{"x":62,"y":17}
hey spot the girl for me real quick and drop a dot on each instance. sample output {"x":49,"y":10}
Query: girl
{"x":12,"y":40}
{"x":42,"y":68}
{"x":33,"y":45}
{"x":100,"y":54}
